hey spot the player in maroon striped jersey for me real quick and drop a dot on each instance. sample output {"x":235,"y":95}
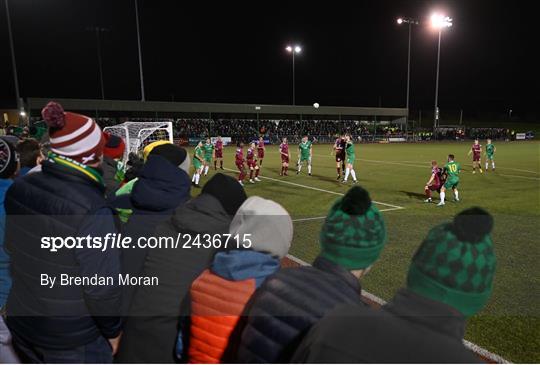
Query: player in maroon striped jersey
{"x":252,"y":163}
{"x":218,"y":148}
{"x":476,"y":150}
{"x":239,"y":161}
{"x":339,"y":150}
{"x":435,"y":181}
{"x":260,"y":151}
{"x":284,"y":152}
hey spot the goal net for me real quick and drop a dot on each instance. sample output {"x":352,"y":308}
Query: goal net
{"x":138,"y":135}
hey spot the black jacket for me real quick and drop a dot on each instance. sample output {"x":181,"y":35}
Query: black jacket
{"x":409,"y":329}
{"x":151,"y":330}
{"x":60,"y":202}
{"x":110,"y":168}
{"x":285,"y":307}
{"x":161,"y":188}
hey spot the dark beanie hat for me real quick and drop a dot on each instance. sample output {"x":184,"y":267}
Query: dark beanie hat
{"x":173,"y":153}
{"x":9,"y":159}
{"x":455,"y":263}
{"x":354,"y":233}
{"x":226,"y":189}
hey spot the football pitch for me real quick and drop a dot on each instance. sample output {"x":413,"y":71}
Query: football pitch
{"x":395,"y":175}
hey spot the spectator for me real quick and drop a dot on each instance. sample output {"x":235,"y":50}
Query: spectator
{"x":292,"y":300}
{"x":65,"y":323}
{"x":151,"y":330}
{"x":113,"y":169}
{"x":9,"y":165}
{"x":450,"y":279}
{"x":30,"y":154}
{"x":219,"y":294}
{"x":162,"y":187}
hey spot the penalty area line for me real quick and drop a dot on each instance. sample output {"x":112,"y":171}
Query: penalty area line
{"x":395,"y":207}
{"x":471,"y":346}
{"x":323,"y":217}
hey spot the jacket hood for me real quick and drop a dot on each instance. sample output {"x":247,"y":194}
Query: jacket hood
{"x":203,"y":213}
{"x":239,"y":265}
{"x":161,"y":186}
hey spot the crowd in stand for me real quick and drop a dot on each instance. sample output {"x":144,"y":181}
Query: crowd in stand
{"x":232,"y":304}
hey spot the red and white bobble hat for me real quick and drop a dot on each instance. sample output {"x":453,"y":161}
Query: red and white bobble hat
{"x":73,"y":135}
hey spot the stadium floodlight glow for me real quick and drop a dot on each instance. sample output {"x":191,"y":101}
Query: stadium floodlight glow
{"x":439,"y":21}
{"x":293,"y":50}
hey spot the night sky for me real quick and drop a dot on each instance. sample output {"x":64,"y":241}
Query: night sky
{"x":354,"y":53}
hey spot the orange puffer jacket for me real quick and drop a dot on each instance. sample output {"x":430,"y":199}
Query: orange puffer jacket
{"x":216,"y":306}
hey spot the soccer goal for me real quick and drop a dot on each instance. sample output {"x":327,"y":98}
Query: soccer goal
{"x":138,"y":135}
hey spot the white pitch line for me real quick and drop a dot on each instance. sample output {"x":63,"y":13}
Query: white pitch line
{"x":522,"y":177}
{"x":471,"y":346}
{"x":323,"y":217}
{"x":318,"y":189}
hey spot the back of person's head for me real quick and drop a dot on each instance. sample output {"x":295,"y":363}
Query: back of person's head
{"x":30,"y":152}
{"x":227,"y":191}
{"x":114,"y":146}
{"x":455,"y":263}
{"x":9,"y":159}
{"x":151,"y":146}
{"x":73,"y":135}
{"x":176,"y":155}
{"x":354,"y":233}
{"x":266,"y":224}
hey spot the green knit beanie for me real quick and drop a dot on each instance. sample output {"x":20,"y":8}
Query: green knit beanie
{"x":354,"y":233}
{"x":455,"y":264}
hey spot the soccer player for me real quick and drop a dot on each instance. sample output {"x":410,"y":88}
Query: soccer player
{"x":252,"y":163}
{"x":284,"y":152}
{"x":339,"y":149}
{"x":435,"y":181}
{"x":476,"y":150}
{"x":349,"y":169}
{"x":490,"y":151}
{"x":218,"y":148}
{"x":198,"y":163}
{"x":260,"y":151}
{"x":305,"y":149}
{"x":452,"y":170}
{"x":208,"y":155}
{"x":239,"y":161}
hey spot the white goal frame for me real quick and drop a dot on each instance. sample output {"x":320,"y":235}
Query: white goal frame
{"x":137,"y":135}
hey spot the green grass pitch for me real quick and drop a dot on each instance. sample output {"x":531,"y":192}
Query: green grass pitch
{"x":395,"y":174}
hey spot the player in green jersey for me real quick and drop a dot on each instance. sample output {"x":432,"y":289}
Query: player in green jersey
{"x":305,"y":151}
{"x":208,"y":155}
{"x":198,"y":163}
{"x":452,"y":170}
{"x":490,"y":151}
{"x":349,"y":161}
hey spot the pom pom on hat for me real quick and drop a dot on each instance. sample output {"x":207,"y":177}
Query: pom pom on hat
{"x":54,"y":115}
{"x":472,"y":224}
{"x":356,"y":201}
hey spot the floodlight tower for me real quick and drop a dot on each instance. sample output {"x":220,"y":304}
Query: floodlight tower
{"x":438,"y":22}
{"x":410,"y":22}
{"x":293,"y":50}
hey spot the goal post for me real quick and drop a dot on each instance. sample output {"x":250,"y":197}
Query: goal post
{"x":137,"y":135}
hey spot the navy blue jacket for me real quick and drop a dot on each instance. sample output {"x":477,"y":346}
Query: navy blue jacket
{"x":60,"y":202}
{"x":409,"y":329}
{"x":160,"y":189}
{"x":5,"y":276}
{"x":285,"y":307}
